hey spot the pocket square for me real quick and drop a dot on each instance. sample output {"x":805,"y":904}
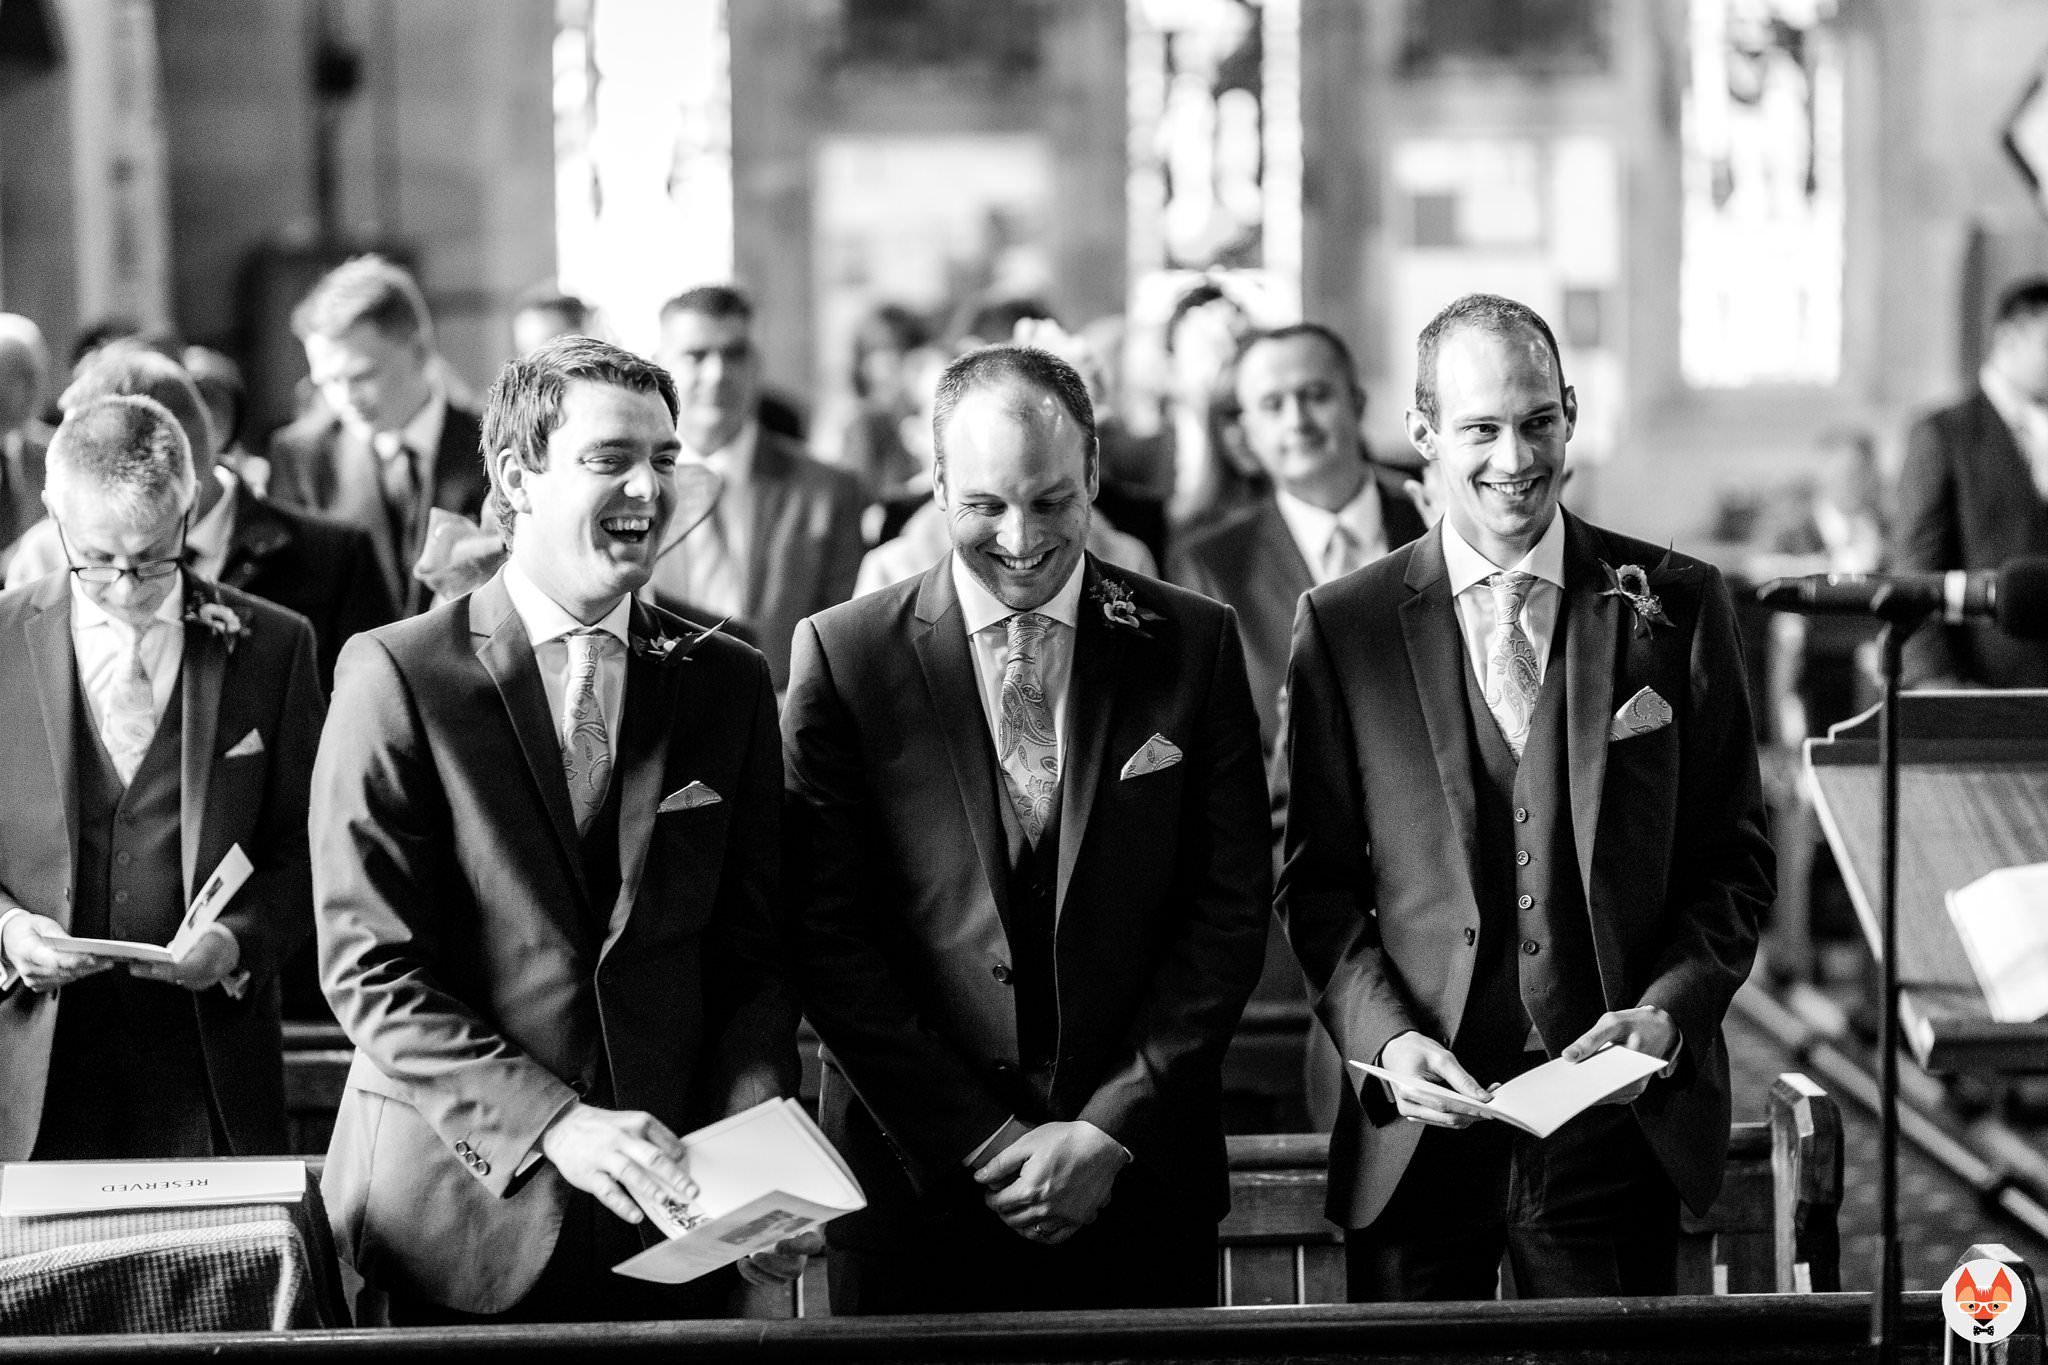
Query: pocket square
{"x":692,"y":797}
{"x":248,"y":746}
{"x":1642,"y":713}
{"x":1155,"y":753}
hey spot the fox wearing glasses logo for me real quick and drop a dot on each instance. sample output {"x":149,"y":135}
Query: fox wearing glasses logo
{"x":1984,"y":1301}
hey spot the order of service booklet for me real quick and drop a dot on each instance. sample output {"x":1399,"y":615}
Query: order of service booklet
{"x":2002,"y":919}
{"x":1543,"y":1100}
{"x":762,"y":1175}
{"x":213,"y":897}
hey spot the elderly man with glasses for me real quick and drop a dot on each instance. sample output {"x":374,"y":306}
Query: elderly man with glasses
{"x":150,"y":722}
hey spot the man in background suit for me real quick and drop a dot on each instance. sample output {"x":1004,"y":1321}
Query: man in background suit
{"x":386,"y":445}
{"x":1330,"y":511}
{"x":322,"y":569}
{"x":1973,"y":493}
{"x":546,"y":824}
{"x":1526,"y":822}
{"x":24,"y":377}
{"x":1026,"y":792}
{"x":153,"y":722}
{"x":784,"y":541}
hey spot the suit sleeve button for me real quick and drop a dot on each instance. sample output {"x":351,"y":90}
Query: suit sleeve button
{"x":1524,"y":901}
{"x":1001,"y":973}
{"x":461,"y":1147}
{"x":482,"y":1167}
{"x":1471,"y":937}
{"x":1521,"y":815}
{"x":1521,"y":857}
{"x":1530,"y":946}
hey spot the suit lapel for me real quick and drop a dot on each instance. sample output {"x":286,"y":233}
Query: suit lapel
{"x":940,"y":641}
{"x":1589,"y":658}
{"x":204,"y":669}
{"x":50,"y":655}
{"x":654,"y":708}
{"x":1436,"y":659}
{"x":257,"y":535}
{"x":1091,"y":694}
{"x":507,"y":656}
{"x":1289,"y":574}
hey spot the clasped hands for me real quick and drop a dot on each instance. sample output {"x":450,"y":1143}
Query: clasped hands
{"x":1050,"y":1181}
{"x":617,"y":1153}
{"x":1646,"y":1028}
{"x":198,"y":961}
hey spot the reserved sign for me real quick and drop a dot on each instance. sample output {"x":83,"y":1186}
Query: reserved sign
{"x":31,"y":1189}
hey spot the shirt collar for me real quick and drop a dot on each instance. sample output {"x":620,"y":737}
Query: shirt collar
{"x":2016,"y":409}
{"x":545,"y":619}
{"x":1467,"y":566}
{"x":86,"y":613}
{"x":208,"y":538}
{"x":981,"y":609}
{"x":1314,"y":526}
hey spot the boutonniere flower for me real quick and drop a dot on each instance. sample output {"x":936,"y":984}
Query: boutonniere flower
{"x":1120,"y":607}
{"x":673,"y":649}
{"x":1637,"y":587}
{"x":225,"y":623}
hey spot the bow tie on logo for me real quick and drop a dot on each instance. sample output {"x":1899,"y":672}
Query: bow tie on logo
{"x":1982,"y":1329}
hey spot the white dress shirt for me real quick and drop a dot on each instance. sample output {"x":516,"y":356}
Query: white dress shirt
{"x":988,"y":638}
{"x":710,"y":572}
{"x":212,"y":534}
{"x":1313,"y":528}
{"x":1469,"y":571}
{"x":546,"y":624}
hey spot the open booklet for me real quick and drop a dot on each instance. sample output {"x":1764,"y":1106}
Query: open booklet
{"x":762,"y":1175}
{"x":1543,"y":1100}
{"x":213,"y":897}
{"x":2002,"y":919}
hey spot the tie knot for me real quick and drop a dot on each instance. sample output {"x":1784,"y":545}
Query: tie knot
{"x":1028,"y":628}
{"x":1510,"y":591}
{"x":590,"y":643}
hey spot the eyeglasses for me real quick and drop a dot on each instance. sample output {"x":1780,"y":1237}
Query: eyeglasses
{"x":147,"y":571}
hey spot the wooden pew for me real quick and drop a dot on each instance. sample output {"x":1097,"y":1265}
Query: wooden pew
{"x":1830,"y":1329}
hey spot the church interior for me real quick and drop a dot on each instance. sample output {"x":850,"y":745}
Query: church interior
{"x":1770,"y":234}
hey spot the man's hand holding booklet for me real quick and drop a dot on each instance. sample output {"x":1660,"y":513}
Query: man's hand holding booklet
{"x":1543,"y":1100}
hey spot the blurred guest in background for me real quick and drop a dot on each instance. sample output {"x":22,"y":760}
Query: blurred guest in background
{"x":219,"y":380}
{"x":872,"y":444}
{"x":543,"y":313}
{"x":784,"y":540}
{"x":389,"y":442}
{"x":183,"y":717}
{"x":1973,"y":493}
{"x":24,"y":380}
{"x":1211,"y":478}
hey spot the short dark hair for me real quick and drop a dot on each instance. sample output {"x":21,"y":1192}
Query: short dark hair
{"x":713,"y":301}
{"x":889,"y":327}
{"x":1489,"y":313}
{"x":1200,"y":294}
{"x":524,"y":405}
{"x":547,"y":299}
{"x":369,"y":288}
{"x":2022,"y":299}
{"x":989,"y":366}
{"x":991,"y":319}
{"x":1327,"y":335}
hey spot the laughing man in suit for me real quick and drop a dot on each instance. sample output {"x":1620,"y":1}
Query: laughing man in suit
{"x":1026,"y":793}
{"x":387,"y":444}
{"x":545,"y":825}
{"x":155,"y":721}
{"x":1331,"y":510}
{"x":1526,"y":822}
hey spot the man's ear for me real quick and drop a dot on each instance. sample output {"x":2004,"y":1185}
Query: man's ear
{"x":1571,"y":411}
{"x":939,"y":480}
{"x":1421,"y":434}
{"x":510,"y":476}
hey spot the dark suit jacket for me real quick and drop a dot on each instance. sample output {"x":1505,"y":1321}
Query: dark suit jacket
{"x":804,"y":551}
{"x":1251,"y":562}
{"x":900,"y":930}
{"x":324,"y":570}
{"x":21,"y":492}
{"x":1380,"y":865}
{"x":264,"y":684}
{"x":1967,"y":501}
{"x":459,"y":948}
{"x":316,"y":463}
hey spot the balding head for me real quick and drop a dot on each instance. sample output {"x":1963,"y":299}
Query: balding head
{"x":125,"y":454}
{"x":24,"y":371}
{"x":129,"y":368}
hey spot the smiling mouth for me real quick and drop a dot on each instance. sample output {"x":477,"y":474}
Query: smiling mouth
{"x":632,"y":530}
{"x":1017,"y":565}
{"x":1514,"y":489}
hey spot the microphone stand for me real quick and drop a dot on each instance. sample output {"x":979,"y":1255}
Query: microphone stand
{"x":1900,"y":619}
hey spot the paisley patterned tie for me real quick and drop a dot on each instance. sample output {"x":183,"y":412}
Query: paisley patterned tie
{"x":1512,"y":676}
{"x":586,"y":743}
{"x":1029,"y":747}
{"x":130,"y":721}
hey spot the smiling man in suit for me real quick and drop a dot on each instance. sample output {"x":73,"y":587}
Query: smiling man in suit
{"x":546,"y":824}
{"x":156,"y":721}
{"x":1026,"y":793}
{"x":1330,"y":510}
{"x":1973,"y":494}
{"x":386,"y":445}
{"x":1526,"y":822}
